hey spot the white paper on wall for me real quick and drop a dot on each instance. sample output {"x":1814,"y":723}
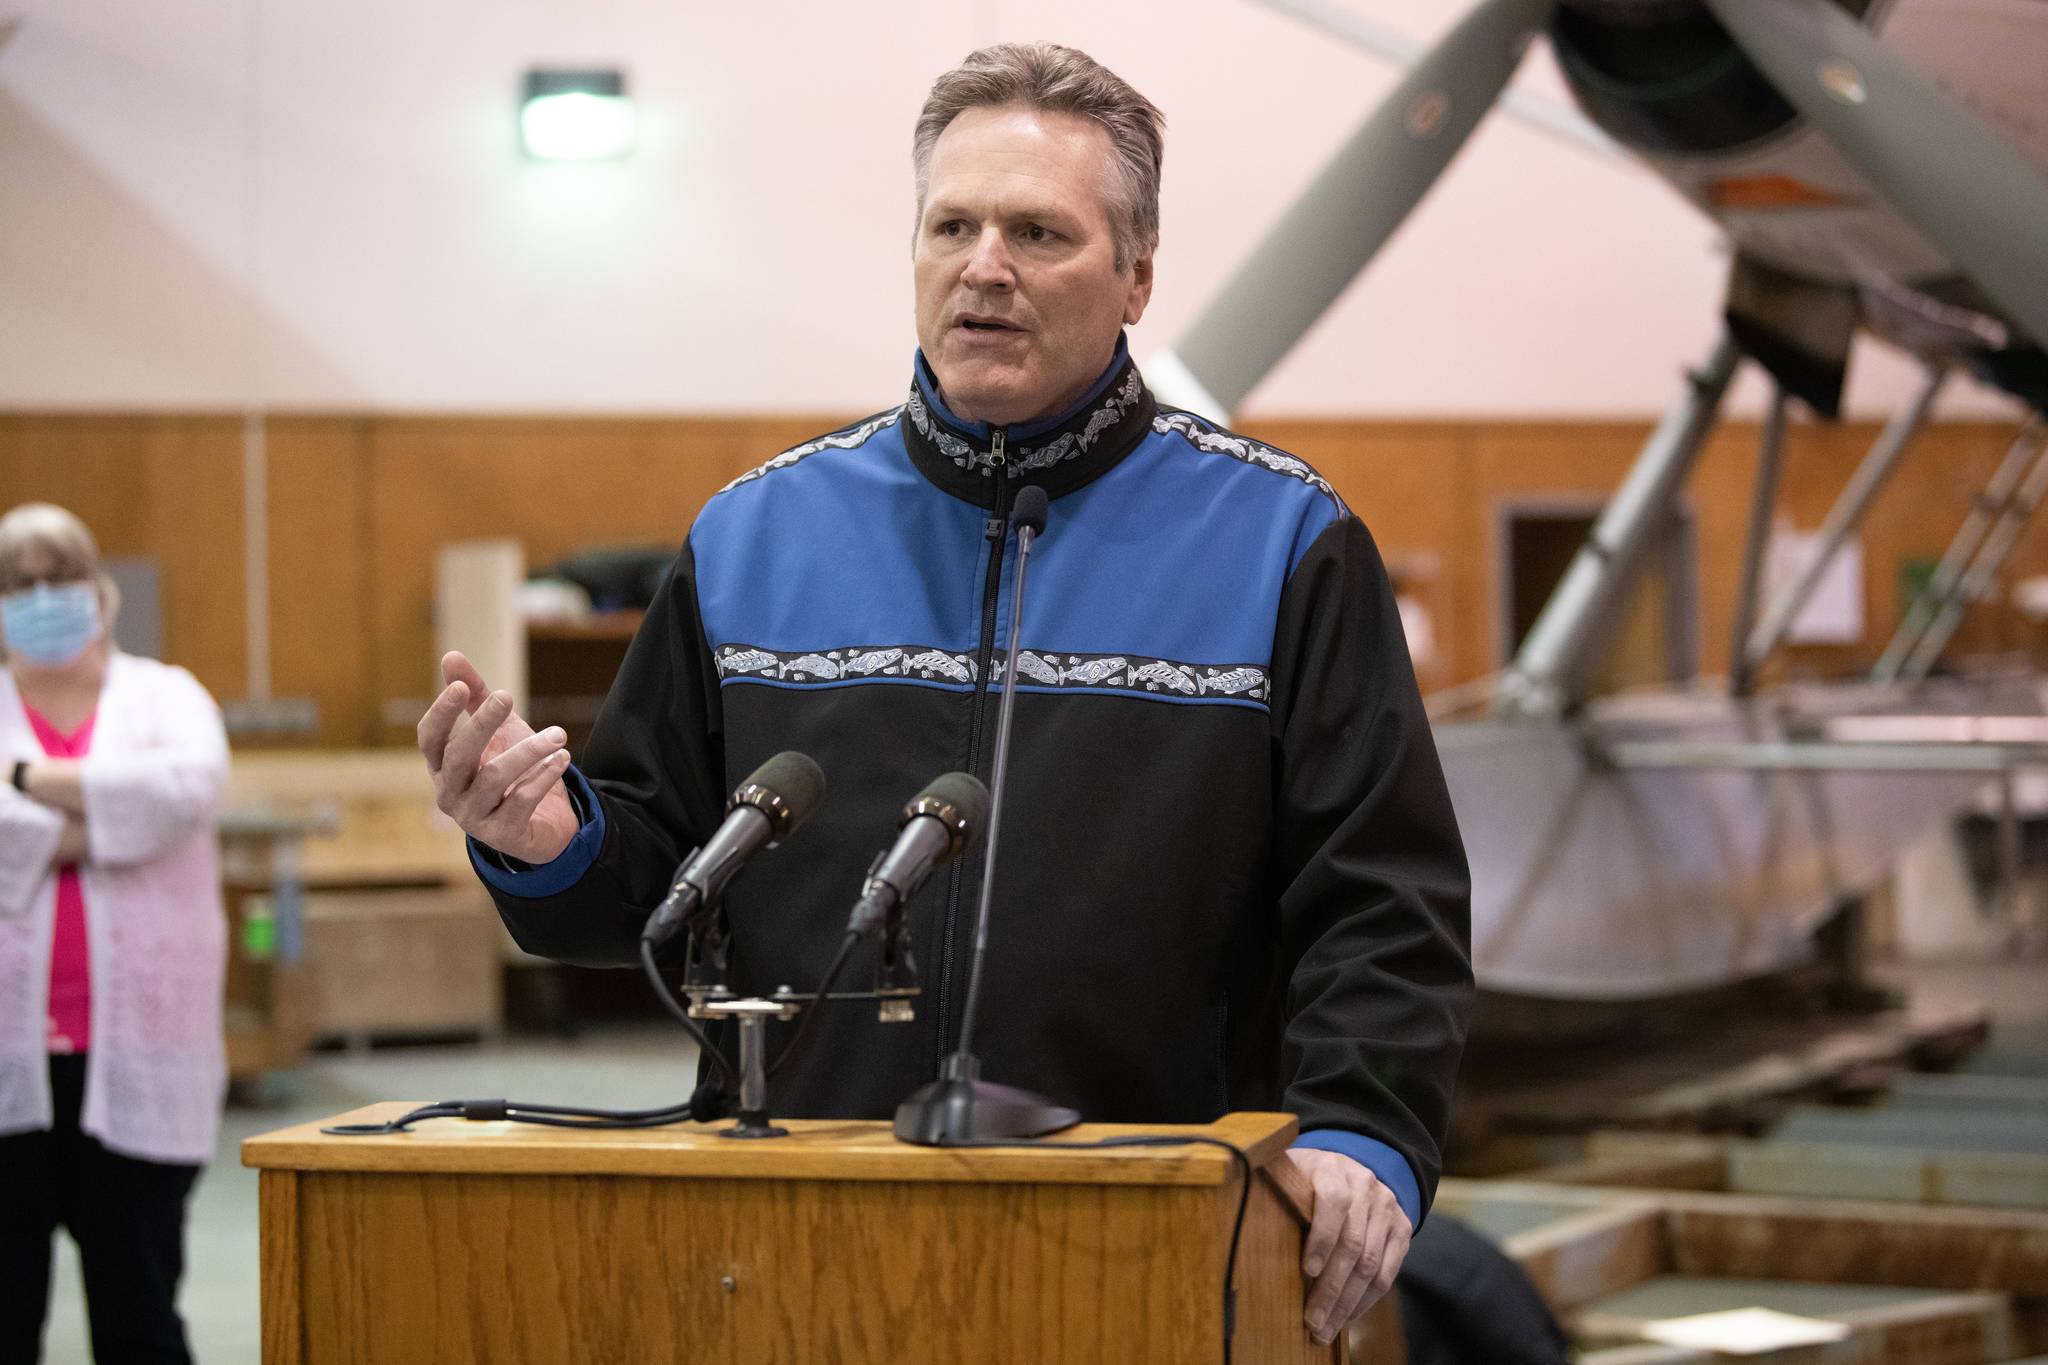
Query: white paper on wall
{"x":1834,"y":614}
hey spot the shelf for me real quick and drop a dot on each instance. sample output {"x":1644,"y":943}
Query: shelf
{"x":603,"y":625}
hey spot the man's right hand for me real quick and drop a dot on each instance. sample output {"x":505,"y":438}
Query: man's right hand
{"x":497,"y":779}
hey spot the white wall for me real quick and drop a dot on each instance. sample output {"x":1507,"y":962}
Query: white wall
{"x":216,"y":202}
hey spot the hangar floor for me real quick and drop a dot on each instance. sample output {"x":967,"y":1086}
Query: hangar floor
{"x":621,"y":1066}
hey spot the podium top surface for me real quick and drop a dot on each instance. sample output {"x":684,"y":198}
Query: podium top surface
{"x":816,"y":1149}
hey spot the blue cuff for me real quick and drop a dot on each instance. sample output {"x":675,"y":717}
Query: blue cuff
{"x":530,"y":881}
{"x":1383,"y":1161}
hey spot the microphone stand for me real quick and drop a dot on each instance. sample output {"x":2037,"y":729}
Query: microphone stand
{"x":960,"y":1107}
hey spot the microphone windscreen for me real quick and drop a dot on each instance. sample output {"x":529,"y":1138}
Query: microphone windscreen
{"x":965,"y":794}
{"x":1029,"y":509}
{"x":798,"y":780}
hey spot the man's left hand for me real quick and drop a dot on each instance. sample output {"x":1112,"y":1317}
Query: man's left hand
{"x":1356,"y":1240}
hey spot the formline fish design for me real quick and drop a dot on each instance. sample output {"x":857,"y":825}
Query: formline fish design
{"x":817,"y":665}
{"x":1109,"y":672}
{"x":1164,"y":674}
{"x":871,"y":661}
{"x":1095,"y":672}
{"x":1232,"y":683}
{"x":944,"y":664}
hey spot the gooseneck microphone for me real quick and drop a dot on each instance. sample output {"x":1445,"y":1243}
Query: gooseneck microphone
{"x":937,"y":824}
{"x":960,"y":1107}
{"x":1027,"y":514}
{"x":767,"y":808}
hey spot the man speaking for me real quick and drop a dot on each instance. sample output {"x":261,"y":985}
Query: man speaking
{"x":1231,"y":876}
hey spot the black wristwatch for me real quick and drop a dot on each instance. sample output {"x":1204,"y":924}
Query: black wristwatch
{"x":20,"y":774}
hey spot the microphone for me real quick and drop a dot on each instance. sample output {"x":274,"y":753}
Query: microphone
{"x":767,"y":808}
{"x":1027,"y":513}
{"x":960,"y":1107}
{"x":937,"y":824}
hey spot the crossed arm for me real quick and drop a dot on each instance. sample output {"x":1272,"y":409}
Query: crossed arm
{"x":58,"y":784}
{"x":139,"y":800}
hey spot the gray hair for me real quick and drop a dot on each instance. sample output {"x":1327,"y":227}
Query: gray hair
{"x":1061,"y":80}
{"x":64,"y":538}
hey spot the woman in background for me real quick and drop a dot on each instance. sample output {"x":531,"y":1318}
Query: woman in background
{"x":112,"y":946}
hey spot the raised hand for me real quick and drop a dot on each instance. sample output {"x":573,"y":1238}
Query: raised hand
{"x":493,"y":775}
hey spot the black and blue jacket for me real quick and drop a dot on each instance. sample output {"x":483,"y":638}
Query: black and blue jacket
{"x":1230,"y":877}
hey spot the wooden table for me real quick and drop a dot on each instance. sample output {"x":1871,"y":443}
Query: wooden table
{"x":507,"y":1243}
{"x":264,"y":991}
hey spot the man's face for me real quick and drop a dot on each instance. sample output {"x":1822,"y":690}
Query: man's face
{"x":1018,"y":298}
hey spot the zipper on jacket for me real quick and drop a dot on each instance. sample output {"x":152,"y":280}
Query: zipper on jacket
{"x":991,"y":593}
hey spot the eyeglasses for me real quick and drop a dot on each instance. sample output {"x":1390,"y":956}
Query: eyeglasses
{"x":55,"y":578}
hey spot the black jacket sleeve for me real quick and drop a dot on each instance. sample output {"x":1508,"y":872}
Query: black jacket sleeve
{"x":656,"y":763}
{"x":1371,"y":882}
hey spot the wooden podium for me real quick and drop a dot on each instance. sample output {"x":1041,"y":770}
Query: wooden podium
{"x":519,"y":1245}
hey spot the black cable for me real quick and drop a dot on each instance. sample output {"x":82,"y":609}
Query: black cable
{"x":441,"y":1109}
{"x":803,"y":1026}
{"x":551,"y":1115}
{"x":725,"y":1079}
{"x":1244,"y":1195}
{"x":701,"y":1106}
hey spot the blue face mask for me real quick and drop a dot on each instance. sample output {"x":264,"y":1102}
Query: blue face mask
{"x":51,"y":625}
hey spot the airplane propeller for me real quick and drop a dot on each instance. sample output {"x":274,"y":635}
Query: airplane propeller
{"x":1949,"y":177}
{"x":1348,"y":213}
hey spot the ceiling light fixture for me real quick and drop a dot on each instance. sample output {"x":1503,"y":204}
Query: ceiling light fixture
{"x":576,"y":116}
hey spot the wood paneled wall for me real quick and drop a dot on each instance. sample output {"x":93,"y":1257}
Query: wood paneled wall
{"x":1435,"y":495}
{"x":358,"y":504}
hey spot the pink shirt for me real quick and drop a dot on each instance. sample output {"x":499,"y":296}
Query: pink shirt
{"x":70,"y":1026}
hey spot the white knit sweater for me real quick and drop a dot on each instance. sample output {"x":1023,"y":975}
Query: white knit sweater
{"x":157,"y":936}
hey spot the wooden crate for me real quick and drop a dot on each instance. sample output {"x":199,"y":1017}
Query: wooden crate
{"x":403,"y":962}
{"x":1990,"y":1151}
{"x":384,"y":829}
{"x":1985,"y":1272}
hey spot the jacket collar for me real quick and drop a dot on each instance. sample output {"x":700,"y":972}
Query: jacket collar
{"x":1059,"y":453}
